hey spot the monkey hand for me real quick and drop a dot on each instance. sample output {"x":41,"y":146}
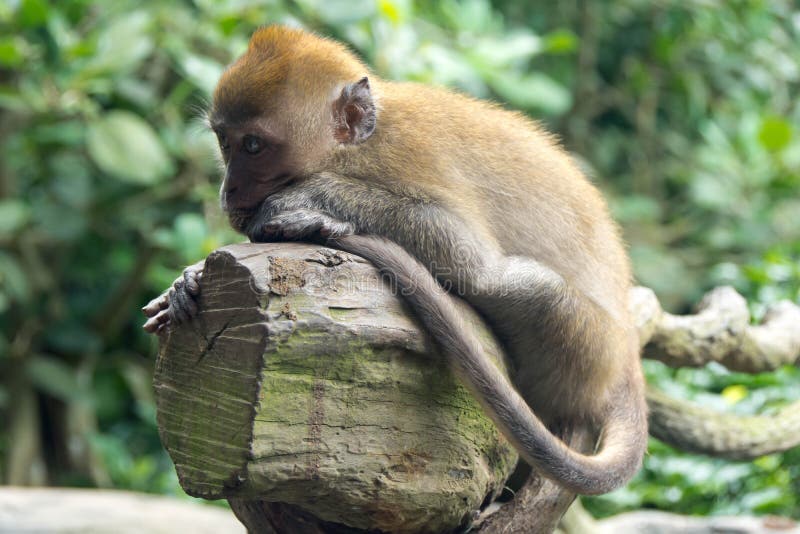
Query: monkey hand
{"x":303,"y":224}
{"x":176,"y":305}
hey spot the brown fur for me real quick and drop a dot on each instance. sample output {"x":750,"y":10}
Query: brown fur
{"x":483,"y":198}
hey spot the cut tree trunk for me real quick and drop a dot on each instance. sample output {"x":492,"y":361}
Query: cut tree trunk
{"x":306,"y":395}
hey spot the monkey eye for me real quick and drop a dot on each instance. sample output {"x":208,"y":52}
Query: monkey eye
{"x":252,"y":144}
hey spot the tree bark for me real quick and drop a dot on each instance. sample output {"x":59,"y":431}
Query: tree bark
{"x":305,"y":381}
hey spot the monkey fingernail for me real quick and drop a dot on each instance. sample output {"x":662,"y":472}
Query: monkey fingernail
{"x":192,"y":286}
{"x":152,"y":307}
{"x":151,"y":325}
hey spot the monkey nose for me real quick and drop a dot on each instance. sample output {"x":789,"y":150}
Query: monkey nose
{"x":231,"y":190}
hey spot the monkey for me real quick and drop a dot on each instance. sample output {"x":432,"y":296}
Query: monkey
{"x":453,"y":197}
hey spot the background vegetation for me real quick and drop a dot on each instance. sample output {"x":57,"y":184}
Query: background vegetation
{"x":685,"y":112}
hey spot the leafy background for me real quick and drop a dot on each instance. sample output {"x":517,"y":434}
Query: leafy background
{"x":685,"y":112}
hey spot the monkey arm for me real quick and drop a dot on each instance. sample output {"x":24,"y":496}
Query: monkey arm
{"x":422,"y":225}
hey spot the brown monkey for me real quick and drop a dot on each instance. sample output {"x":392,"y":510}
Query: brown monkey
{"x":423,"y":181}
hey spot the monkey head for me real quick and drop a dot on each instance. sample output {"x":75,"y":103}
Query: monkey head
{"x":276,"y":122}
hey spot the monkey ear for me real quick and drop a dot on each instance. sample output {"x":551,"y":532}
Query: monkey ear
{"x":354,"y":114}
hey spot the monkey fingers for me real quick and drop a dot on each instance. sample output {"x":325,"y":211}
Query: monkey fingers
{"x":153,"y":307}
{"x":191,"y":278}
{"x":157,"y":322}
{"x":157,"y":313}
{"x":302,"y":223}
{"x":175,"y":306}
{"x":183,"y":295}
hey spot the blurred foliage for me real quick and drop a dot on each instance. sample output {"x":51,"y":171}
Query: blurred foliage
{"x":693,"y":484}
{"x":685,"y":112}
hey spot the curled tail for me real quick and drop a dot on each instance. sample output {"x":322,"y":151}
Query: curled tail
{"x":624,"y":430}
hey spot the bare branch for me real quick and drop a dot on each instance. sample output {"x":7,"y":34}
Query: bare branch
{"x":719,"y":331}
{"x":692,"y":428}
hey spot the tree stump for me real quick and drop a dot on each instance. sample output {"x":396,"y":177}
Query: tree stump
{"x":305,"y":381}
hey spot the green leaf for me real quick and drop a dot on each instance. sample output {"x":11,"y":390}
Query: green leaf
{"x":125,"y":146}
{"x":109,"y":393}
{"x":561,"y":42}
{"x":58,"y":221}
{"x":13,"y":216}
{"x":14,"y":282}
{"x":122,"y":45}
{"x":764,"y":500}
{"x":69,"y":132}
{"x":469,"y":15}
{"x":11,"y":99}
{"x":139,"y":379}
{"x":72,"y":336}
{"x":202,"y":71}
{"x":637,"y":208}
{"x":190,"y":234}
{"x":73,"y":186}
{"x":33,"y":13}
{"x":340,"y":12}
{"x":10,"y":55}
{"x":113,"y":452}
{"x":775,"y":133}
{"x":508,"y":49}
{"x":5,"y":304}
{"x":534,"y":91}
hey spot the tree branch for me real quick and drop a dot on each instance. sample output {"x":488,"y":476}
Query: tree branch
{"x":719,"y":331}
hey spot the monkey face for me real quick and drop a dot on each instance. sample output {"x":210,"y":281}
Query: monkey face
{"x":255,"y":166}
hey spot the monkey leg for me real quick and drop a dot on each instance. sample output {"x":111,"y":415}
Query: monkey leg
{"x":176,"y":305}
{"x":567,"y":350}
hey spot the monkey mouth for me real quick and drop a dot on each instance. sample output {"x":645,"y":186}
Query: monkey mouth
{"x":240,"y":217}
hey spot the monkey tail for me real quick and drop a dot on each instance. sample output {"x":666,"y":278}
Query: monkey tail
{"x":624,"y":432}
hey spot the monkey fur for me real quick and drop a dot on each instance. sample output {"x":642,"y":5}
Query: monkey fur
{"x":447,"y":194}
